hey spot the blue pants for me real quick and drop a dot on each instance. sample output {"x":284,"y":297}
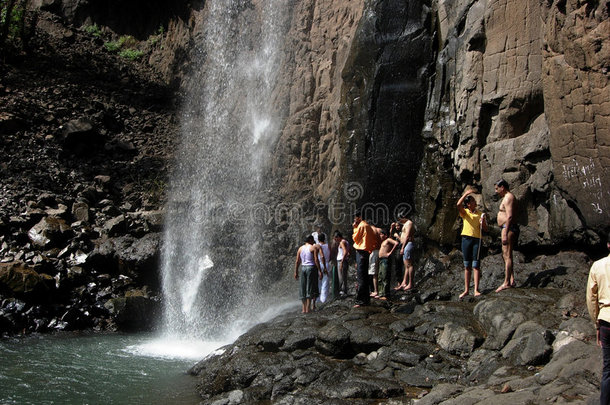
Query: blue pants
{"x":470,"y":251}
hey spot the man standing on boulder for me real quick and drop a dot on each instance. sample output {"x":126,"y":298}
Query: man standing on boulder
{"x":406,"y":240}
{"x":307,"y":258}
{"x":365,"y":241}
{"x":510,"y":231}
{"x":598,"y":304}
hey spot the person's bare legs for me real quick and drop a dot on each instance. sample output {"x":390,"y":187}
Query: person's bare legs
{"x":467,"y":272}
{"x":375,"y":292}
{"x":405,"y":276}
{"x":477,"y":278}
{"x":409,"y":273}
{"x":507,"y":255}
{"x":305,"y":306}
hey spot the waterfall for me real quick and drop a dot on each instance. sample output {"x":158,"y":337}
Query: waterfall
{"x":210,"y":266}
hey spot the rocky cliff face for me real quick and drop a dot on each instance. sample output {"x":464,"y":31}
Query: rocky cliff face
{"x":389,"y":104}
{"x":520,"y":93}
{"x":405,"y":104}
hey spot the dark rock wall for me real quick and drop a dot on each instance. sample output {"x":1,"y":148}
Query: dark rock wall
{"x":384,"y":100}
{"x":520,"y":92}
{"x":409,"y":102}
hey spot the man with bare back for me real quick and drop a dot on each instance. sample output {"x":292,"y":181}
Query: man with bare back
{"x":406,"y":240}
{"x":388,"y":245}
{"x":510,"y":231}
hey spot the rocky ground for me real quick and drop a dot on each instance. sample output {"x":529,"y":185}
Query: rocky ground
{"x":85,"y":136}
{"x":529,"y":345}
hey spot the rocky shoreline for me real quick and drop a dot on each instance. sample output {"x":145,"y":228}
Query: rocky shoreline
{"x":531,"y":344}
{"x":87,"y":139}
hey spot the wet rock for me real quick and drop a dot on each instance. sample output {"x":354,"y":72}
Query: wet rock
{"x":334,"y":340}
{"x":20,"y":279}
{"x":134,"y":311}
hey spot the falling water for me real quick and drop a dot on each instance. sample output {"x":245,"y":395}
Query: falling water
{"x":210,"y":264}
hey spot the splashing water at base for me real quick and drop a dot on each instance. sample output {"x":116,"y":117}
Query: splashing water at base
{"x":213,"y":275}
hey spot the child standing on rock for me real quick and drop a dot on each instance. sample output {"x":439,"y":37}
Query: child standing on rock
{"x":474,"y":224}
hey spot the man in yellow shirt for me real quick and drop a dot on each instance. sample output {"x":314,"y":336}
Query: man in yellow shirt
{"x":366,"y":239}
{"x":598,"y":304}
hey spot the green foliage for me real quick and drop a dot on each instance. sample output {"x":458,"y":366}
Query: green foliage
{"x":94,"y":30}
{"x":12,"y":20}
{"x":125,"y":46}
{"x":131,"y":54}
{"x":112,"y":46}
{"x":127,"y":41}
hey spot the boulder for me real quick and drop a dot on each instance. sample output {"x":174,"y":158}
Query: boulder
{"x":458,"y":339}
{"x":134,"y":311}
{"x":80,"y":211}
{"x":20,"y":280}
{"x":530,"y":345}
{"x":80,"y":136}
{"x":49,"y":232}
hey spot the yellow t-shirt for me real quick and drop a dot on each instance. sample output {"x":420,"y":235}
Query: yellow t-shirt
{"x":472,"y":226}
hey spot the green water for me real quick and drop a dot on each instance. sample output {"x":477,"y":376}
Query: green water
{"x":97,"y":369}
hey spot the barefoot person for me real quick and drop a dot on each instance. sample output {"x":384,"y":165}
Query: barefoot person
{"x":510,"y":231}
{"x":474,"y":222}
{"x":343,"y":253}
{"x":324,"y":259}
{"x":406,"y":240}
{"x":307,"y":258}
{"x":365,"y":241}
{"x":388,"y":245}
{"x":598,"y":305}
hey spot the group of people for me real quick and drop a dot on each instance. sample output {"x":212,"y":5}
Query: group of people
{"x":320,"y":266}
{"x":374,"y":248}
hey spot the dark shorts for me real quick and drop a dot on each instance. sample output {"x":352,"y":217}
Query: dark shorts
{"x":514,"y":228}
{"x":308,"y":282}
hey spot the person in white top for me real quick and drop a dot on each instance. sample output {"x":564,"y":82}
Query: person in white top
{"x":307,"y":259}
{"x":324,"y":259}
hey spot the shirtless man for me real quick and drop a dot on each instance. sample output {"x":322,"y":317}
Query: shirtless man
{"x":510,"y":231}
{"x":307,"y":258}
{"x":406,"y":239}
{"x":385,"y":252}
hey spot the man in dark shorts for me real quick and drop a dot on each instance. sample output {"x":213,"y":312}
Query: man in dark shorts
{"x":510,"y":232}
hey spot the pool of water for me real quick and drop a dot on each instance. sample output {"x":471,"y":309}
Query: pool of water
{"x":99,"y":369}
